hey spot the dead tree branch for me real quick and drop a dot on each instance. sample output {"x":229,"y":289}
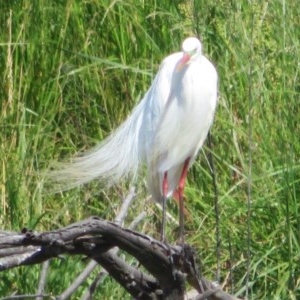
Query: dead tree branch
{"x":169,"y":266}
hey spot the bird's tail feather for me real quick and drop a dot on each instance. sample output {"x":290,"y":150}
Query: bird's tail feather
{"x":115,"y":157}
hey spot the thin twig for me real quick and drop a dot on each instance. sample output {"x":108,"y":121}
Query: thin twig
{"x":33,"y":296}
{"x":78,"y":281}
{"x":137,"y":220}
{"x":102,"y":274}
{"x":125,"y":206}
{"x":43,"y":276}
{"x":93,"y":286}
{"x":93,"y":264}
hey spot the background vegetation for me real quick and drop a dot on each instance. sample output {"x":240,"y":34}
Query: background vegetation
{"x":71,"y":71}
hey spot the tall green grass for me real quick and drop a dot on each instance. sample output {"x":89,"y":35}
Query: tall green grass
{"x":71,"y":71}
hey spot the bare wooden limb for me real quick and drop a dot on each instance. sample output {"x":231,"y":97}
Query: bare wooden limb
{"x":137,"y":220}
{"x":169,"y":266}
{"x":93,"y":286}
{"x":139,"y":285}
{"x":125,"y":206}
{"x":102,"y":274}
{"x":93,"y":264}
{"x":33,"y":296}
{"x":42,"y":281}
{"x":78,"y":281}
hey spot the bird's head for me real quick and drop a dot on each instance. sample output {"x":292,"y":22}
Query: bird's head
{"x":191,"y":48}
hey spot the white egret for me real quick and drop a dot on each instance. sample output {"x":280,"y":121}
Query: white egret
{"x":164,"y":132}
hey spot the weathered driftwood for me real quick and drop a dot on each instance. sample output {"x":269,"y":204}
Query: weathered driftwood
{"x":169,"y":267}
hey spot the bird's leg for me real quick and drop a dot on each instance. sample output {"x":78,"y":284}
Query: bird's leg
{"x":180,"y":189}
{"x":165,"y":188}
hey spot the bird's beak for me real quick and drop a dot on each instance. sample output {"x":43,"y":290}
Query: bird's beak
{"x":185,"y":58}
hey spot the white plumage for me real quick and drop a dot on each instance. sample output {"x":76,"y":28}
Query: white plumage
{"x":165,"y":130}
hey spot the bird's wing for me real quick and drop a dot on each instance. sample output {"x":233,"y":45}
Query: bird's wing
{"x":155,"y":101}
{"x":183,"y":123}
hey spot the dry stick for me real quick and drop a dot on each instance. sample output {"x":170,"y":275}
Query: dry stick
{"x":25,"y":253}
{"x":137,"y":220}
{"x":103,"y":273}
{"x":125,"y":206}
{"x":22,"y":297}
{"x":93,"y":286}
{"x":215,"y":294}
{"x":140,"y":285}
{"x":92,"y":238}
{"x":78,"y":281}
{"x":13,"y":257}
{"x":93,"y":264}
{"x":42,"y":283}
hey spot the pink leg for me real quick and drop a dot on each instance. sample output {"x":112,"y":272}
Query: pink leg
{"x":165,"y":189}
{"x":180,"y":190}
